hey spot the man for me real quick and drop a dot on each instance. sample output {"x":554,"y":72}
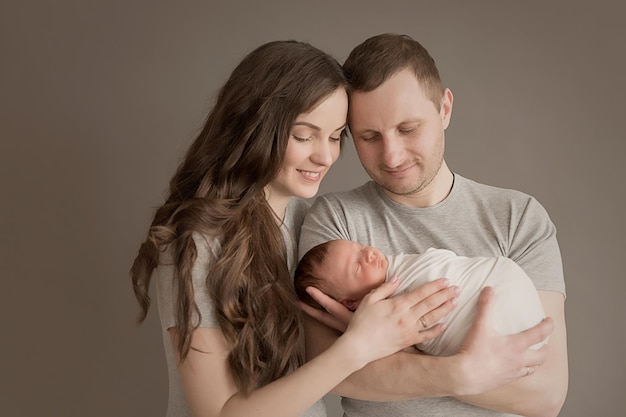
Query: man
{"x":398,"y":113}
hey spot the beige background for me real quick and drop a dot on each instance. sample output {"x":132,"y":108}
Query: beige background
{"x":99,"y":99}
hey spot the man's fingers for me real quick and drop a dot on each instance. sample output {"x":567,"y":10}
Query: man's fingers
{"x":485,"y":304}
{"x":538,"y":333}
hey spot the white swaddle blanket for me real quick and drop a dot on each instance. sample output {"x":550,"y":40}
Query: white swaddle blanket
{"x":517,"y":306}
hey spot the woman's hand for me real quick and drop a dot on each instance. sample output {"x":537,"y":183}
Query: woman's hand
{"x":335,"y":315}
{"x":382,"y":325}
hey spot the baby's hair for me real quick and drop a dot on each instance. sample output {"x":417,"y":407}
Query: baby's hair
{"x":306,"y":274}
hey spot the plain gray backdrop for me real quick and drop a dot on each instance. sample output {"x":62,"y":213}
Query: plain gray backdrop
{"x":99,"y":99}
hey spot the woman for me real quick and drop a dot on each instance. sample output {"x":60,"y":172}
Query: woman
{"x":222,"y":248}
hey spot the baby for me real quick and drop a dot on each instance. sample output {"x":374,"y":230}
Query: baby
{"x":347,"y":271}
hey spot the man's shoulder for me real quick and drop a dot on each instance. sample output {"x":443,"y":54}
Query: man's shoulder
{"x":504,"y":203}
{"x":481,"y":191}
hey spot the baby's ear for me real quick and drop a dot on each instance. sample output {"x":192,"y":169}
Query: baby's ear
{"x":349,"y":303}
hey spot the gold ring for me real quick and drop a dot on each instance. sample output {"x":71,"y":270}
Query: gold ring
{"x":423,"y":322}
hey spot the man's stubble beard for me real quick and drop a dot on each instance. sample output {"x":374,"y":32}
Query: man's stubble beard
{"x":411,"y":189}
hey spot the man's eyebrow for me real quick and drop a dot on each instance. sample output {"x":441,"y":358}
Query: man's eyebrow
{"x":360,"y":132}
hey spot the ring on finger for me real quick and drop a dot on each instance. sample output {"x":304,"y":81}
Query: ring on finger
{"x":423,"y":322}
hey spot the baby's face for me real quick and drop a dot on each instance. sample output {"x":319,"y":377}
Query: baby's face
{"x":354,"y":270}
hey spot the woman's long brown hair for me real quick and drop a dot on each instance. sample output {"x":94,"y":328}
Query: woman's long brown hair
{"x":218,"y":191}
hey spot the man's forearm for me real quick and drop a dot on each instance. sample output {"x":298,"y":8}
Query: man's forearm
{"x":401,"y":376}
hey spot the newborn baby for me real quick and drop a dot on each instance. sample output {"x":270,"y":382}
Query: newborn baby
{"x":347,"y":271}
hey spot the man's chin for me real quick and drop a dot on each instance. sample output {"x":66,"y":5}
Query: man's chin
{"x":398,"y":190}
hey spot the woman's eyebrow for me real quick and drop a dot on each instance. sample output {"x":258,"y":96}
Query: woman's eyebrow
{"x":312,"y":126}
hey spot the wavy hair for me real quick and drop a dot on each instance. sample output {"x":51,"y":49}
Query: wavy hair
{"x":218,"y":191}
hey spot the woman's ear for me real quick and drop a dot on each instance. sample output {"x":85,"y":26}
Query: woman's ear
{"x":350,"y":304}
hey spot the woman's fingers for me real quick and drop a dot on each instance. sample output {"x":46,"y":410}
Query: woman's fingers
{"x":383,"y":291}
{"x":433,"y":301}
{"x":334,"y":308}
{"x":323,"y":317}
{"x":399,"y":320}
{"x":424,"y":291}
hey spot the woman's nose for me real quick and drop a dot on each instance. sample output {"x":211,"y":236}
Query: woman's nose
{"x":323,"y":154}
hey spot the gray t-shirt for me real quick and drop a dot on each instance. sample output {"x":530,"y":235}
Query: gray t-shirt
{"x":208,"y":249}
{"x":473,"y":220}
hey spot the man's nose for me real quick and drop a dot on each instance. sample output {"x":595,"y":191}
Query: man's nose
{"x":393,"y":151}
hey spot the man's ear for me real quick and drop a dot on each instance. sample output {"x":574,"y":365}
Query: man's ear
{"x":350,"y":304}
{"x":445,"y":111}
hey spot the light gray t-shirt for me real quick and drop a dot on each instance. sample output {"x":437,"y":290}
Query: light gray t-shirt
{"x":208,"y":249}
{"x":473,"y":220}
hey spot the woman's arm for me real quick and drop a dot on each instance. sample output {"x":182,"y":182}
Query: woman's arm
{"x":378,"y":328}
{"x":211,"y":391}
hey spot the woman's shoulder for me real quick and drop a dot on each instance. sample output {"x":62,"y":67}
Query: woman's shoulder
{"x":207,"y":246}
{"x":296,"y":211}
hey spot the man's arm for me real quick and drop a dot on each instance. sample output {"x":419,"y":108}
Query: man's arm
{"x":487,"y":361}
{"x":542,"y":393}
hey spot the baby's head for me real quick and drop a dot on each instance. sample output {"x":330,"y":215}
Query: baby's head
{"x":343,"y":270}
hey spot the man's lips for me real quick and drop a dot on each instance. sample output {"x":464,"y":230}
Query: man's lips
{"x":398,"y":172}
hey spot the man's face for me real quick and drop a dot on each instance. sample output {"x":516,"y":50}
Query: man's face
{"x":398,"y":133}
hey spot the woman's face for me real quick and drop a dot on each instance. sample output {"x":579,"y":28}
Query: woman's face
{"x":312,"y":148}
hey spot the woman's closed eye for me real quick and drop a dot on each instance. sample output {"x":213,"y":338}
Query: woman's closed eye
{"x":300,"y":139}
{"x":342,"y":134}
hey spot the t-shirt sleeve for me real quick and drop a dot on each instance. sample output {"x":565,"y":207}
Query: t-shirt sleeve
{"x":534,"y":247}
{"x":323,"y":222}
{"x":167,"y":291}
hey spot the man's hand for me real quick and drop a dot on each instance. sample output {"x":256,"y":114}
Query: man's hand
{"x":489,"y":360}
